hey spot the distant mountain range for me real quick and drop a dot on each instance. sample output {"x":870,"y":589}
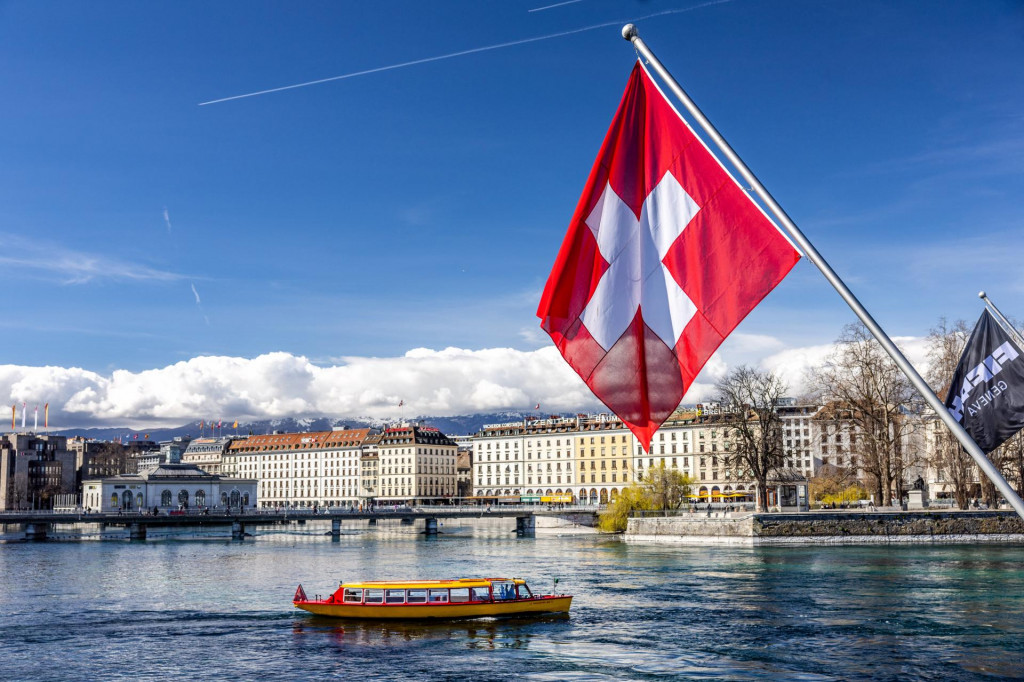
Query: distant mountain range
{"x":456,"y":426}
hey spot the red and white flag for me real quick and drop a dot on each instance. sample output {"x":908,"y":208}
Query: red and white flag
{"x":664,"y":256}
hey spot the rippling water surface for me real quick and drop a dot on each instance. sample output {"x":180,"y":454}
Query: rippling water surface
{"x":181,"y":608}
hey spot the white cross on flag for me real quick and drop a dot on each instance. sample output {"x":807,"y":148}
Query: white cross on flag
{"x":664,"y":256}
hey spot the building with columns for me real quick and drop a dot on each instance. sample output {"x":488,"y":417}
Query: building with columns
{"x":168,"y":487}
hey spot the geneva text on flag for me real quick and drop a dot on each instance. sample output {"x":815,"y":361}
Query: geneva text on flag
{"x":987,"y":392}
{"x":664,"y":256}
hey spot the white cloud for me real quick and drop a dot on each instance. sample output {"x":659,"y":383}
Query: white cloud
{"x":451,"y":381}
{"x":72,"y":267}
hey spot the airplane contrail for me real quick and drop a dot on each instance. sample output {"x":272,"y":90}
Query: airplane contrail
{"x":557,"y":4}
{"x":462,"y":53}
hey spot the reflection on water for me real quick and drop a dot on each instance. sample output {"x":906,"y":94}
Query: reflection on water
{"x":186,"y":608}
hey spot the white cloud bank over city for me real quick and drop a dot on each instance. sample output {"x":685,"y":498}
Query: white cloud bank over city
{"x":445,"y":382}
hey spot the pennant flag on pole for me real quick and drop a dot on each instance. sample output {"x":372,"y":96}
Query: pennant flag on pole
{"x":14,"y":416}
{"x":46,"y":416}
{"x":987,"y":392}
{"x":235,"y":425}
{"x":664,"y":256}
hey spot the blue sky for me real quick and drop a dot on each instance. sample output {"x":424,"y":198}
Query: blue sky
{"x":422,"y":207}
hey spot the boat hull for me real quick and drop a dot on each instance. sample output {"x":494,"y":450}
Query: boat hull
{"x":503,"y":609}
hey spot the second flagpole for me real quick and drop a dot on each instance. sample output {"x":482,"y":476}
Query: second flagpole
{"x":629,"y":32}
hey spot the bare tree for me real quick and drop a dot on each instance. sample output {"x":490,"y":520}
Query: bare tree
{"x":1014,"y":461}
{"x":756,"y":450}
{"x":946,"y":344}
{"x":870,"y":390}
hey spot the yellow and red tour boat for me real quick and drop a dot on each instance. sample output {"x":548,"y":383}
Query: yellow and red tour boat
{"x":465,"y":598}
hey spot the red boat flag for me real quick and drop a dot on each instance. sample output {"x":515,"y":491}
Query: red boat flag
{"x":664,"y":256}
{"x":300,"y":594}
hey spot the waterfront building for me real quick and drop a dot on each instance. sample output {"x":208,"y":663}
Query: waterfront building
{"x":796,"y":417}
{"x":499,"y":458}
{"x":168,"y":487}
{"x":316,"y":469}
{"x":34,"y":468}
{"x":206,"y":453}
{"x":464,"y":473}
{"x":417,"y":465}
{"x":369,"y":477}
{"x":604,"y":464}
{"x":532,"y":458}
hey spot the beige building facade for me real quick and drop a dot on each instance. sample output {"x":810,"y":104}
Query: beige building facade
{"x":301,"y":470}
{"x":416,"y":465}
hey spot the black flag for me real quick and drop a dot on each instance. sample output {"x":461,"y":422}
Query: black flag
{"x":987,"y":392}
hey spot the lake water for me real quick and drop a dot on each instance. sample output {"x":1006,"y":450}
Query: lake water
{"x":198,"y":607}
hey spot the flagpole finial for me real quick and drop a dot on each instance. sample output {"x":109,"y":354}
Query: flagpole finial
{"x":981,"y":294}
{"x":629,"y":32}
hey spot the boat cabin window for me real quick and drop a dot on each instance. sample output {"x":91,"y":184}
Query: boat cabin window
{"x":375,"y":596}
{"x":438,"y":596}
{"x":481,"y":594}
{"x":353,"y":596}
{"x":460,"y":594}
{"x":417,"y":596}
{"x":524,"y":592}
{"x":395,"y":597}
{"x":504,"y":590}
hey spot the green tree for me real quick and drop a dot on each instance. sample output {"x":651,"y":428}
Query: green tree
{"x":615,"y":517}
{"x":659,"y":489}
{"x":667,"y":488}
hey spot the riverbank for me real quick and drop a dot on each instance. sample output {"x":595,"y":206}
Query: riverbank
{"x":829,"y":527}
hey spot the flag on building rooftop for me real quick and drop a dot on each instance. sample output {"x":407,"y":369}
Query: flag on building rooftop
{"x":987,"y":392}
{"x":664,"y":256}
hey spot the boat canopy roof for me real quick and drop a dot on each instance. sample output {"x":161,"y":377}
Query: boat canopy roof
{"x":427,"y":584}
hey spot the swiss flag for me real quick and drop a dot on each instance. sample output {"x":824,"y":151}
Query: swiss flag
{"x":664,"y":256}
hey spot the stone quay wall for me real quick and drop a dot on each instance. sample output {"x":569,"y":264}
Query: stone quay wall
{"x":832,"y":527}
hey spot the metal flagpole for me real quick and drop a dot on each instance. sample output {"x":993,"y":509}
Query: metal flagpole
{"x":1006,"y":323}
{"x":629,"y":32}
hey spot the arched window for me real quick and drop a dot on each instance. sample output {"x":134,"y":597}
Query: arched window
{"x":165,"y":498}
{"x":200,"y":498}
{"x":224,"y":499}
{"x":126,"y":500}
{"x":114,"y":500}
{"x":183,"y":497}
{"x":245,"y":499}
{"x":235,"y":498}
{"x":139,"y":501}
